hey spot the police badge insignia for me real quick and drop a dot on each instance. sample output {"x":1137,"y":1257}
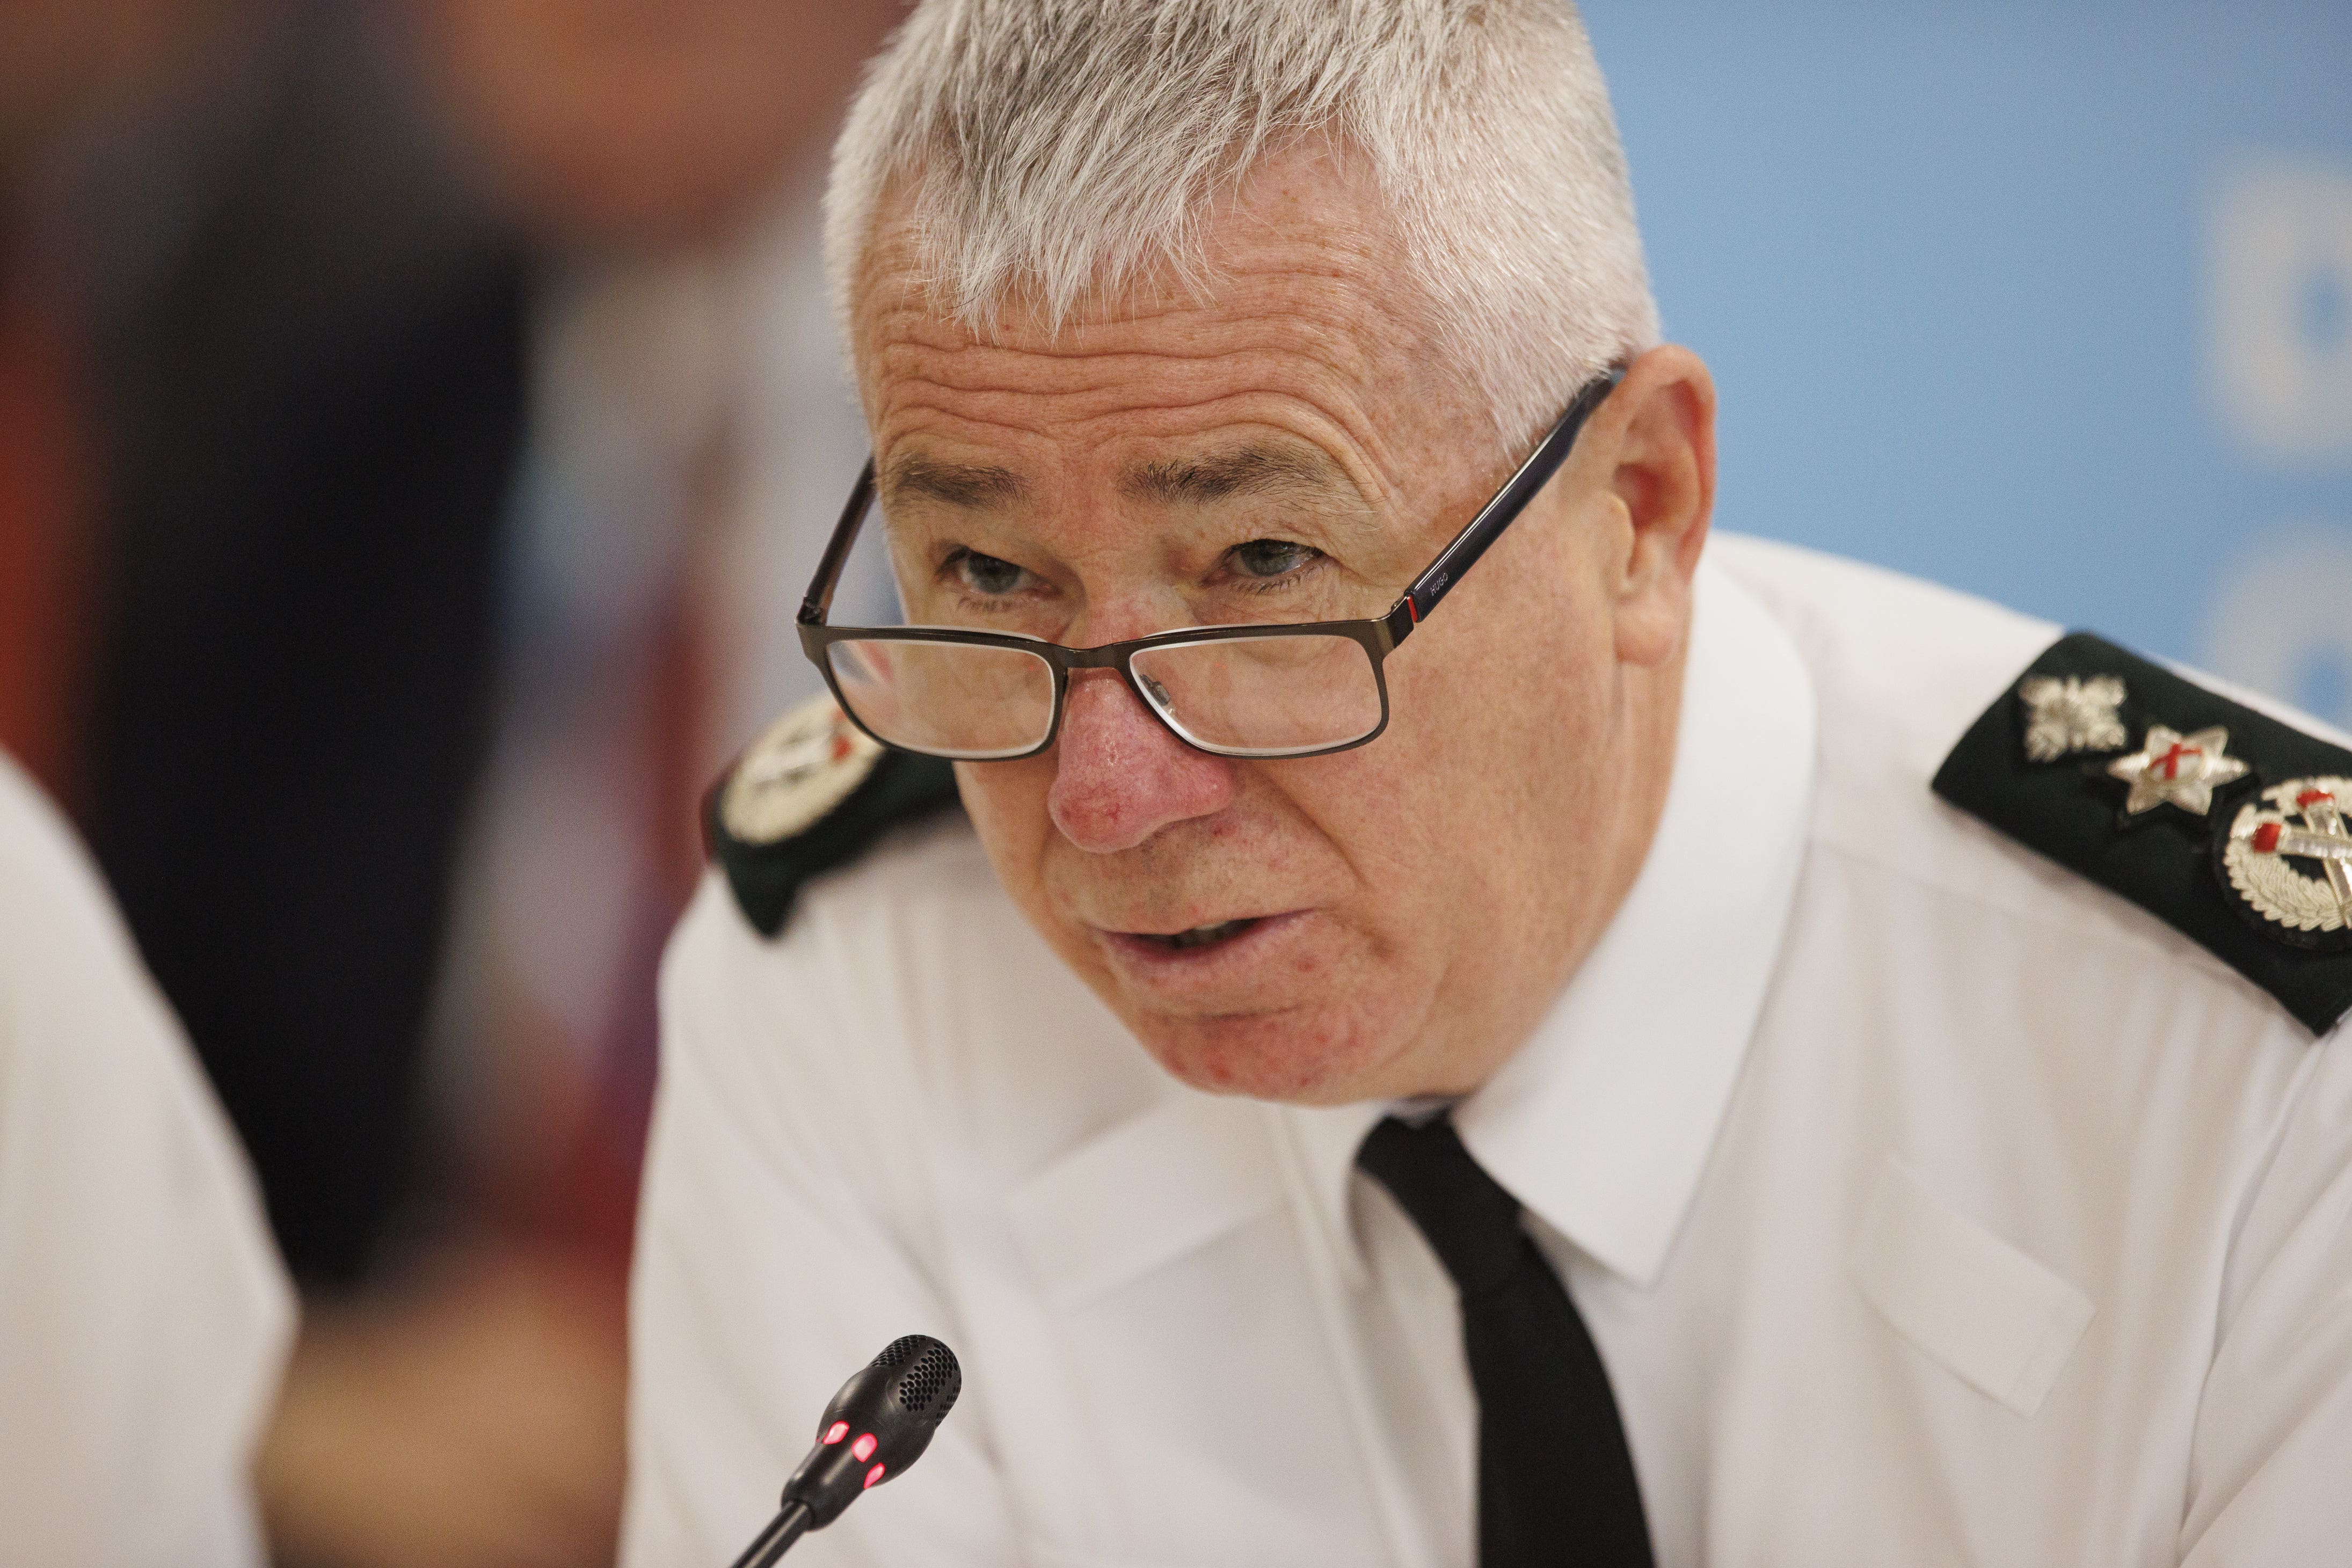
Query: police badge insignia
{"x":2255,"y":859}
{"x":2071,"y":714}
{"x":2175,"y":769}
{"x":802,"y":767}
{"x":810,"y":796}
{"x":2295,"y":825}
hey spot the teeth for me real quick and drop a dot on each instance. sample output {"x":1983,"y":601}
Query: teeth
{"x":1201,"y":936}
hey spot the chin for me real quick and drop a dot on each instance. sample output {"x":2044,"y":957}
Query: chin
{"x":1303,"y":1055}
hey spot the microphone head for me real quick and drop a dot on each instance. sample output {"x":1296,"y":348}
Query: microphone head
{"x":878,"y":1424}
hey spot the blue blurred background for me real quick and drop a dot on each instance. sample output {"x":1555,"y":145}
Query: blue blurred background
{"x":2051,"y":302}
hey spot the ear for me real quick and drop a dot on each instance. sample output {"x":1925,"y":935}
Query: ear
{"x":1658,"y":430}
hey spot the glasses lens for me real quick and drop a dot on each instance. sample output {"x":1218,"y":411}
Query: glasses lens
{"x":949,"y":699}
{"x":1265,"y":695}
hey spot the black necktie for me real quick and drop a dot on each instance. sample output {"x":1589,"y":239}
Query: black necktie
{"x":1556,"y":1484}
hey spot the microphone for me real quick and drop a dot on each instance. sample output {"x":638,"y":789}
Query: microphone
{"x":878,"y":1424}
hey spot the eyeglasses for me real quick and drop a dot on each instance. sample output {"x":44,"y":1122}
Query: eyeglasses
{"x":1253,"y":691}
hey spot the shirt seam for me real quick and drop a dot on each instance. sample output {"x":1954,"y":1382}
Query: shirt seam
{"x":2152,"y":945}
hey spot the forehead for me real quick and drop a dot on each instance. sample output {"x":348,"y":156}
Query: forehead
{"x":1300,"y":310}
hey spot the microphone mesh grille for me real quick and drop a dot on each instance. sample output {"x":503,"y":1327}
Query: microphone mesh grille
{"x":900,"y":1349}
{"x":936,"y":1378}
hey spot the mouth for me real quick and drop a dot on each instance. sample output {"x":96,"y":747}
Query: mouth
{"x":1199,"y":936}
{"x":1215,"y":954}
{"x":1194,"y":945}
{"x":1247,"y":965}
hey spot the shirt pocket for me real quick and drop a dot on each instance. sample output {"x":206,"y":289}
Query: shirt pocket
{"x":1998,"y":1320}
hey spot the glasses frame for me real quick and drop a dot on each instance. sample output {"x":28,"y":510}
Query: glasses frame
{"x":1378,"y":635}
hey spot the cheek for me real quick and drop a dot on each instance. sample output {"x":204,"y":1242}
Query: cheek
{"x":1006,"y":803}
{"x":1498,"y":738}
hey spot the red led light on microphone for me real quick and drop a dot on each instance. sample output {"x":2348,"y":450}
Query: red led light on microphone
{"x":880,"y":1422}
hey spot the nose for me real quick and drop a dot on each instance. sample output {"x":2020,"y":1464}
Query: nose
{"x":1120,"y":775}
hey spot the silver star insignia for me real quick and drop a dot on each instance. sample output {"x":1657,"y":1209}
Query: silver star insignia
{"x":2075,"y":713}
{"x":2177,"y":769}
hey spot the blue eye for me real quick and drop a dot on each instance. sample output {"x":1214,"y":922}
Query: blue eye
{"x":1273,"y":558}
{"x":985,"y":574}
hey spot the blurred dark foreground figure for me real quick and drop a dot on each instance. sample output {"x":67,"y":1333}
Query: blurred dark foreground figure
{"x":290,"y":292}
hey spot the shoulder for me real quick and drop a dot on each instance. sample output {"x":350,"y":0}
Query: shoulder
{"x":1899,"y":666}
{"x":1899,"y":669}
{"x":67,"y":967}
{"x":845,"y":883}
{"x":1986,"y":757}
{"x":811,"y":795}
{"x":45,"y":869}
{"x":866,"y":959}
{"x":907,"y":1032}
{"x":178,"y":1321}
{"x":914,"y":896}
{"x":86,"y":1041}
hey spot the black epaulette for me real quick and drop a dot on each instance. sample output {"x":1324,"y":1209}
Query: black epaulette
{"x":810,"y":796}
{"x":2223,"y":822}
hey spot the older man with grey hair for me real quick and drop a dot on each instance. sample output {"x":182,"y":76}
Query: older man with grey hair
{"x":1639,"y":1062}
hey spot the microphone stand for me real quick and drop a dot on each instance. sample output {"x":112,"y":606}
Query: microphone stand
{"x":791,"y":1521}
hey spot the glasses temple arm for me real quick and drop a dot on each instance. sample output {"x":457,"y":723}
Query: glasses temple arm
{"x":1484,"y":529}
{"x":819,"y":600}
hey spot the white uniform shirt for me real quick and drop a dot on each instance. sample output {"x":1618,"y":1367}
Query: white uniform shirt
{"x":145,"y":1317}
{"x":1928,"y":1203}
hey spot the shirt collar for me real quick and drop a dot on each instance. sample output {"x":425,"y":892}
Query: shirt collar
{"x":1601,"y":1123}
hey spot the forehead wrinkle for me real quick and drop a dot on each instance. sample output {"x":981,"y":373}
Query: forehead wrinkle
{"x":1324,"y":353}
{"x":1023,"y":372}
{"x":1342,"y":324}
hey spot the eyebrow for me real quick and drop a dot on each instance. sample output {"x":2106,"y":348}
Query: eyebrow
{"x":1255,"y":470}
{"x":977,"y":485}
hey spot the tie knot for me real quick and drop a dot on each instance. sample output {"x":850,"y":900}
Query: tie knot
{"x":1468,"y":1220}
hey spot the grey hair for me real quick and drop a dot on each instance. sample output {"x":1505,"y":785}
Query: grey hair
{"x":1058,"y":151}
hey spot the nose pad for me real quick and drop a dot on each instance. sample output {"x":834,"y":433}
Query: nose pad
{"x":1159,"y":694}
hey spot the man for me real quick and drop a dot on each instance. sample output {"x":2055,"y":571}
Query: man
{"x":143,"y":1314}
{"x":1597,"y":1102}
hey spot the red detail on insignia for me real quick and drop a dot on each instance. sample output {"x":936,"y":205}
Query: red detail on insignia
{"x":864,"y":1447}
{"x":873,"y":1475}
{"x":2266,"y":838}
{"x":1412,"y":609}
{"x":836,"y":1432}
{"x":2311,"y":798}
{"x":2171,"y":760}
